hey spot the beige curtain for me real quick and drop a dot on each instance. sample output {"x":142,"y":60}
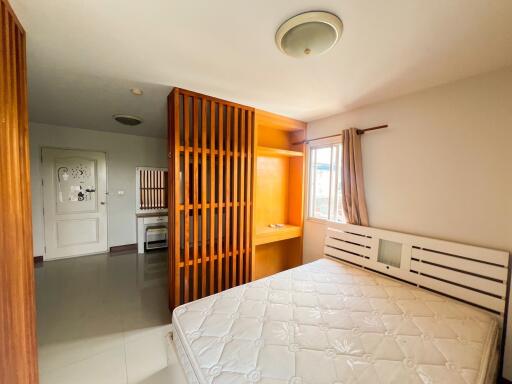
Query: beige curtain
{"x":354,"y":203}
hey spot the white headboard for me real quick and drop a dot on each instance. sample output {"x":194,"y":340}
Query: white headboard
{"x":476,"y":275}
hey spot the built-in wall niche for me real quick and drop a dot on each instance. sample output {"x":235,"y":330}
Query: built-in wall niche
{"x":390,"y":253}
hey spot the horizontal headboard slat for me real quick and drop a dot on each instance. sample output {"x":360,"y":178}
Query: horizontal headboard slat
{"x":470,"y":281}
{"x":356,"y":239}
{"x":350,"y":247}
{"x":468,"y":251}
{"x":351,"y":258}
{"x":485,"y":301}
{"x":475,"y":267}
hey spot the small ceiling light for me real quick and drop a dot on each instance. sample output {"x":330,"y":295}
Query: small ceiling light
{"x":309,"y":34}
{"x":137,"y":91}
{"x":127,"y":119}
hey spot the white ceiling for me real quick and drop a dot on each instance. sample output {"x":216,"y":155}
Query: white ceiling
{"x":85,"y":55}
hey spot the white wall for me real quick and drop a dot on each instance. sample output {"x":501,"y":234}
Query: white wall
{"x":124,"y":154}
{"x":442,"y":169}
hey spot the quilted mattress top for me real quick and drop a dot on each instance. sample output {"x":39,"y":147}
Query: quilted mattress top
{"x":327,"y":322}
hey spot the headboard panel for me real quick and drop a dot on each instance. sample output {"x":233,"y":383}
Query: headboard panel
{"x":472,"y":274}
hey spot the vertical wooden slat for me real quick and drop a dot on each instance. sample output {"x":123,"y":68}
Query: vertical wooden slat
{"x":204,"y":169}
{"x":212,"y":196}
{"x":152,"y":188}
{"x":186,"y":134}
{"x":195,"y":155}
{"x":146,"y":191}
{"x":159,"y":191}
{"x":141,"y":204}
{"x":248,"y":206}
{"x":234,"y":237}
{"x":163,"y":189}
{"x":220,"y":251}
{"x":155,"y":188}
{"x":227,"y":179}
{"x":142,"y":190}
{"x":148,"y":188}
{"x":241,"y":253}
{"x":177,"y":219}
{"x":141,"y":193}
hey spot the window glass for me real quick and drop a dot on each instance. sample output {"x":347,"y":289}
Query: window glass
{"x":325,"y":184}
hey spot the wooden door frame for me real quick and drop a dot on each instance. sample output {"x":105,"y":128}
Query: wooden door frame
{"x":18,"y":347}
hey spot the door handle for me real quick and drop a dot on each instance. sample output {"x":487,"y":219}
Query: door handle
{"x":102,"y":203}
{"x":90,"y":190}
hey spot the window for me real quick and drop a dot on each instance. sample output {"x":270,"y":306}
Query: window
{"x":325,"y":191}
{"x":151,"y":184}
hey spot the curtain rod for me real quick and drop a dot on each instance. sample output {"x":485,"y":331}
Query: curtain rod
{"x":359,"y":132}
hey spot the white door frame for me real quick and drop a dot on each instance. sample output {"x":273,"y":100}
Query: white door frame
{"x":105,"y":199}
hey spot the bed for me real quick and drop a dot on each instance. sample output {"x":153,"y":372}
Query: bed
{"x":343,"y":319}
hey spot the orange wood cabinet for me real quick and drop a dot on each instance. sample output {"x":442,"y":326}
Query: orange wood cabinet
{"x":278,"y":194}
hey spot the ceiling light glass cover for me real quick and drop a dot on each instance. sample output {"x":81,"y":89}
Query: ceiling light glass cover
{"x":309,"y":34}
{"x":127,"y":119}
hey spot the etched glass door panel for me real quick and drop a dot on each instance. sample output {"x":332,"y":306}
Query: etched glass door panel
{"x":76,"y":184}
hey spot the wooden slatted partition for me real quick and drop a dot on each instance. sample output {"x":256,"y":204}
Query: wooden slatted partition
{"x":210,"y":193}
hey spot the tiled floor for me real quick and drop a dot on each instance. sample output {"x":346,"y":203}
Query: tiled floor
{"x":104,"y":319}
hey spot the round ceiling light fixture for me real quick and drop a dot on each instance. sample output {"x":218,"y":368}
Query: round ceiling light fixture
{"x":136,"y":91}
{"x":309,"y":34}
{"x":127,"y":119}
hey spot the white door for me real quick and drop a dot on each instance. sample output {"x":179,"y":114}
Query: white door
{"x":75,"y":211}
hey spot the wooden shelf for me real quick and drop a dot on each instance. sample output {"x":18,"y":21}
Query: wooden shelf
{"x":268,"y":151}
{"x":265,"y":235}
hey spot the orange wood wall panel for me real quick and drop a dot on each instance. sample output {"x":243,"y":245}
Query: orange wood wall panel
{"x":271,"y":206}
{"x":18,"y":353}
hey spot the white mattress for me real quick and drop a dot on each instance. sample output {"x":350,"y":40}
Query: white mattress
{"x":327,"y":322}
